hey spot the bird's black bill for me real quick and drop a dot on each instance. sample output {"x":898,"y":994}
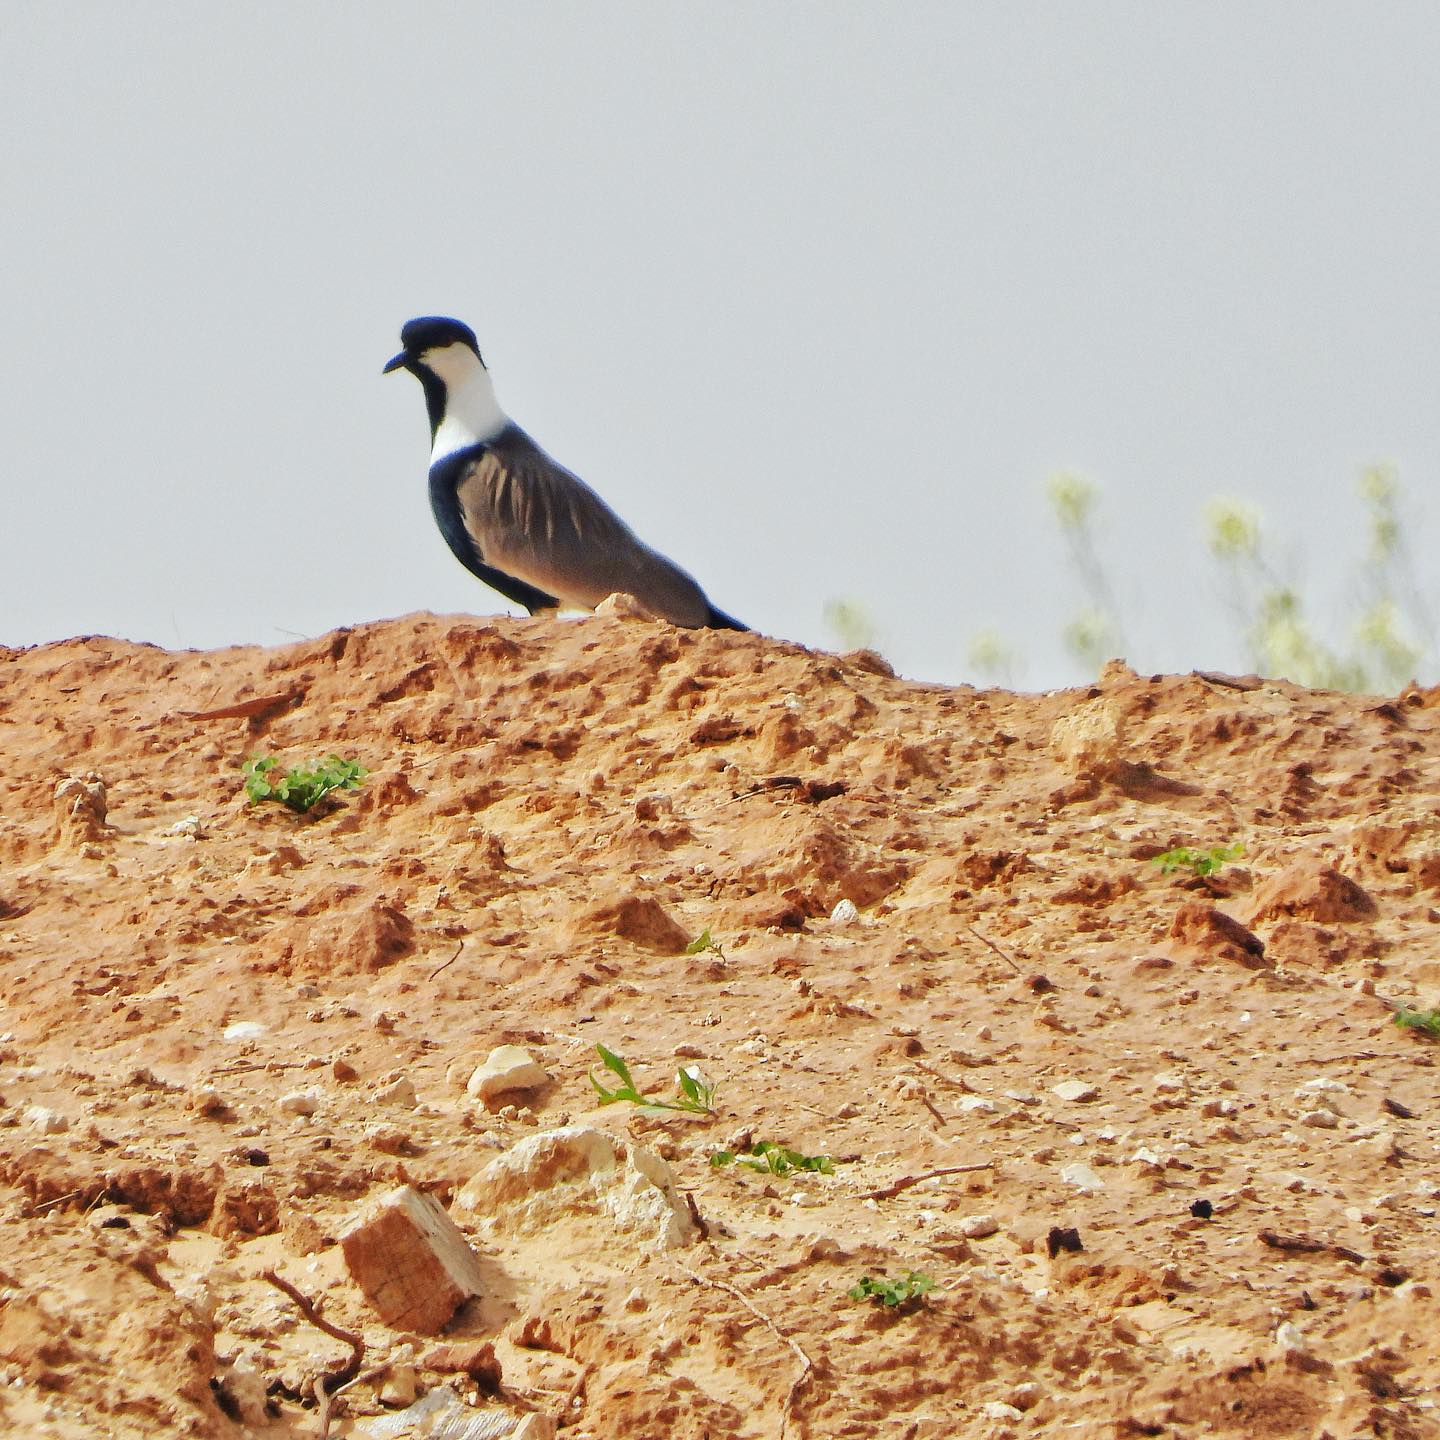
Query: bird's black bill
{"x":398,"y":363}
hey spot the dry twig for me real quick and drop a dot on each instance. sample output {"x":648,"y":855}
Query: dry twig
{"x":807,"y":1365}
{"x":906,"y":1181}
{"x":986,"y":940}
{"x":447,"y":964}
{"x":327,"y":1383}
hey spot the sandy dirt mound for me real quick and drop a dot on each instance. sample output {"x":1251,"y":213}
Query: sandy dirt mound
{"x":1153,"y":1136}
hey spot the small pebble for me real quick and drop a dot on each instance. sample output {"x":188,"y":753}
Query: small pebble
{"x":243,"y":1030}
{"x":506,"y":1068}
{"x":400,"y":1091}
{"x":1081,"y":1176}
{"x":45,"y":1120}
{"x":1075,"y":1091}
{"x":844,"y":913}
{"x":301,"y":1102}
{"x":977,"y":1227}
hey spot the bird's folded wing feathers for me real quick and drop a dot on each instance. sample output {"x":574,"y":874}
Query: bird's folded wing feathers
{"x":533,"y":519}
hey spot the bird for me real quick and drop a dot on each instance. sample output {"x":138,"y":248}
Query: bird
{"x":514,"y":517}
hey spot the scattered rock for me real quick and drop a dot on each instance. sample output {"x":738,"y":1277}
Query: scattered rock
{"x":243,"y":1030}
{"x":413,"y":1264}
{"x":1203,"y":929}
{"x":977,"y":1227}
{"x":1075,"y":1091}
{"x":400,"y":1091}
{"x":579,"y":1170}
{"x":506,"y":1069}
{"x":642,"y":920}
{"x":1081,"y":1176}
{"x":1088,"y":741}
{"x":1308,"y":891}
{"x":45,"y":1120}
{"x":301,"y":1102}
{"x":844,"y":913}
{"x":80,"y":807}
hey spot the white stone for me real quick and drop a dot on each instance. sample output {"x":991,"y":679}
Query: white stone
{"x":844,"y":913}
{"x":977,"y":1227}
{"x":506,"y":1068}
{"x":977,"y":1105}
{"x":576,"y":1170}
{"x":400,"y":1091}
{"x":45,"y":1120}
{"x":1169,"y":1083}
{"x":1320,"y":1119}
{"x":1075,"y":1091}
{"x":1289,"y":1338}
{"x":301,"y":1102}
{"x":999,"y":1410}
{"x":244,"y":1030}
{"x":244,"y":1381}
{"x":1148,"y":1158}
{"x":1081,"y":1176}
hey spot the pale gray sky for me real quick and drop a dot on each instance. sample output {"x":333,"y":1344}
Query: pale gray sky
{"x":816,"y":296}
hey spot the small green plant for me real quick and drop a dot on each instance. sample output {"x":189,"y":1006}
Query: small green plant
{"x":1197,"y":862}
{"x":697,"y":1095}
{"x":770,"y":1158}
{"x":704,"y":941}
{"x":1427,"y":1021}
{"x":300,"y":789}
{"x":900,"y":1291}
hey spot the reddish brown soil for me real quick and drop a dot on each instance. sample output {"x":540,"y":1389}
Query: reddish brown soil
{"x":553,"y":809}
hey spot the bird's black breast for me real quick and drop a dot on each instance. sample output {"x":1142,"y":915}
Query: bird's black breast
{"x":445,"y":478}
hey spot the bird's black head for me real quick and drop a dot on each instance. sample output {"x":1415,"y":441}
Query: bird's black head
{"x":430,"y":332}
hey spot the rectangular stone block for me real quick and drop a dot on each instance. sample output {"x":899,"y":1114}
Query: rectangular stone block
{"x":413,"y":1264}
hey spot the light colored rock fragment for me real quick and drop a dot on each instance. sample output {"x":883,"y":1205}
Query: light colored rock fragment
{"x":505,"y":1069}
{"x":579,"y":1170}
{"x":400,"y":1091}
{"x":1075,"y":1091}
{"x":1081,"y":1176}
{"x":301,"y":1102}
{"x":999,"y":1410}
{"x":243,"y":1030}
{"x":1290,"y":1339}
{"x":1320,"y":1119}
{"x":844,"y":913}
{"x":45,"y":1120}
{"x":413,"y":1264}
{"x":1088,"y":741}
{"x":243,"y":1382}
{"x":977,"y":1227}
{"x":977,"y":1105}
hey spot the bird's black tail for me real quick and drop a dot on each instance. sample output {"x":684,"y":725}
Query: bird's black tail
{"x":719,"y":620}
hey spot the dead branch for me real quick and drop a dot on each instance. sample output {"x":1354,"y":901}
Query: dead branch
{"x":447,"y":964}
{"x":807,"y":1365}
{"x":906,"y":1181}
{"x":328,"y":1382}
{"x":942,"y":1077}
{"x":985,"y":940}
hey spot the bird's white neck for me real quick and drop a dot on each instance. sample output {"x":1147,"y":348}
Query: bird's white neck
{"x":472,"y":413}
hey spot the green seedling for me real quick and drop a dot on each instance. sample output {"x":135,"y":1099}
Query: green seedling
{"x":697,"y":1095}
{"x":300,"y":789}
{"x":770,"y":1158}
{"x":702,"y":942}
{"x":893,"y":1293}
{"x":1197,"y":862}
{"x":1427,"y":1021}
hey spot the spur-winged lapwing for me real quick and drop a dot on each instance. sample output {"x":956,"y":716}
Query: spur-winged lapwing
{"x":525,"y":525}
